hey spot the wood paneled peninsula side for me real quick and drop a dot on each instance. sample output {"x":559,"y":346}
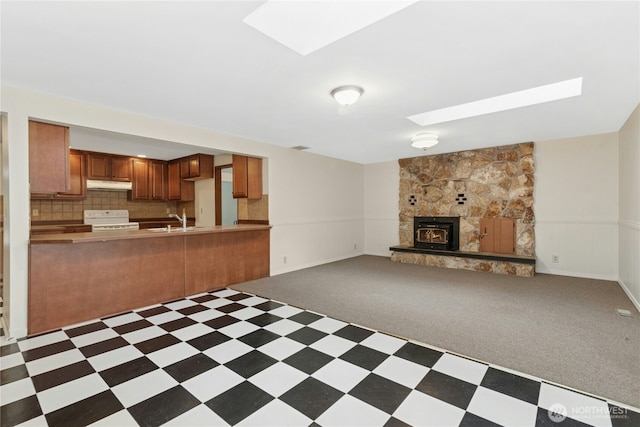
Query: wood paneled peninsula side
{"x":76,"y":277}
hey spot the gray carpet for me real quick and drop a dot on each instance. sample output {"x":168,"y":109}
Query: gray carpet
{"x":557,"y":328}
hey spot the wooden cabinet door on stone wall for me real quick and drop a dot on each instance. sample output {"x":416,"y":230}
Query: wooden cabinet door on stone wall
{"x":498,"y":235}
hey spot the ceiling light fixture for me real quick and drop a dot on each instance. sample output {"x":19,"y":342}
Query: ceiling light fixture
{"x":346,"y":95}
{"x":424,"y":140}
{"x":523,"y":98}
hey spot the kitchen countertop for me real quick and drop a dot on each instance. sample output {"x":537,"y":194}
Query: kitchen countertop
{"x":61,"y":226}
{"x":141,"y":234}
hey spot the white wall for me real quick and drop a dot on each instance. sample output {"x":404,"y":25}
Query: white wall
{"x":316,"y":210}
{"x":315,"y":202}
{"x":629,"y":176}
{"x":381,"y":207}
{"x":205,"y":204}
{"x":576,"y":206}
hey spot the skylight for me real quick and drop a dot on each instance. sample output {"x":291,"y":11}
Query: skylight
{"x":523,"y":98}
{"x":306,"y":26}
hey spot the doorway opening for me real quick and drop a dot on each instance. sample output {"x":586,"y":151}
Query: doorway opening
{"x":226,"y":205}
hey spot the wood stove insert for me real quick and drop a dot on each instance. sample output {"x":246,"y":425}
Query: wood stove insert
{"x":436,"y":232}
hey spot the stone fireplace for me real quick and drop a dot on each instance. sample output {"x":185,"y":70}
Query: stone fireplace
{"x":470,"y":186}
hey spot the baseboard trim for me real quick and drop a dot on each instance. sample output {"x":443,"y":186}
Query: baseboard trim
{"x":626,"y":290}
{"x":276,"y":272}
{"x":576,"y":274}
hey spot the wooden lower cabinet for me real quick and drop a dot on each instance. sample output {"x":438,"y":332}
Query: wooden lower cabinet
{"x":229,"y":258}
{"x":71,"y":283}
{"x":75,"y":282}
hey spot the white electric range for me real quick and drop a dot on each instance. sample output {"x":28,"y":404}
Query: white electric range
{"x":109,"y":220}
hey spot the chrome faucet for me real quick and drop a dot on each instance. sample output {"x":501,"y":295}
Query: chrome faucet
{"x":183,"y":220}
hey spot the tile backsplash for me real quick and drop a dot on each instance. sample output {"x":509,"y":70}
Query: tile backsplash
{"x":254,"y":209}
{"x":71,"y":210}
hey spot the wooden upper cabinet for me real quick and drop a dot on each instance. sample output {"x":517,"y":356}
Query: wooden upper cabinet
{"x":498,"y":235}
{"x":108,"y":167}
{"x":247,"y":177}
{"x":184,"y":167}
{"x":254,"y":178}
{"x":48,"y":158}
{"x":98,"y":166}
{"x":178,"y":188}
{"x":173,"y":180}
{"x":121,"y":168}
{"x":240,"y":183}
{"x":140,"y":182}
{"x":149,"y":179}
{"x":194,"y":167}
{"x":197,"y":166}
{"x":78,"y":179}
{"x":157,"y":180}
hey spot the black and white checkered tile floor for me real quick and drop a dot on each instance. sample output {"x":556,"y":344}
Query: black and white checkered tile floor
{"x":230,"y":358}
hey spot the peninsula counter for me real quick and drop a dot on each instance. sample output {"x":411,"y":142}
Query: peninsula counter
{"x":82,"y":276}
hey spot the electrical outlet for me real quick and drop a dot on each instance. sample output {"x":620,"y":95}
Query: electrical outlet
{"x":355,"y":246}
{"x":555,"y":258}
{"x":168,"y":210}
{"x":201,"y":210}
{"x":284,"y":260}
{"x":35,"y":212}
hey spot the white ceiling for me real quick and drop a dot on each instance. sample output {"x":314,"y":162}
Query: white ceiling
{"x":197,"y":63}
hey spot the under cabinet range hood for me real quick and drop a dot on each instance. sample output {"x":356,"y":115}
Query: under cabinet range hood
{"x":93,"y":184}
